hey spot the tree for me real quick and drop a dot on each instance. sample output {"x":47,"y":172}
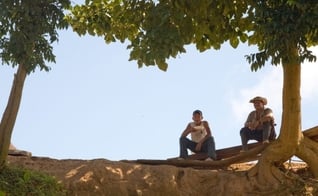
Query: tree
{"x":283,"y":30}
{"x":27,"y":30}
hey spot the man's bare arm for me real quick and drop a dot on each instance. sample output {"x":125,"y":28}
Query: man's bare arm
{"x":186,"y":132}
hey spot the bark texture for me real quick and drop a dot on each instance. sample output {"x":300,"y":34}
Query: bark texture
{"x":308,"y":152}
{"x":266,"y":171}
{"x":10,"y":113}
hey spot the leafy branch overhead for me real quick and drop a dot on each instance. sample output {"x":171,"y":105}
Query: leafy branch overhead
{"x":158,"y":30}
{"x":281,"y":26}
{"x":27,"y":30}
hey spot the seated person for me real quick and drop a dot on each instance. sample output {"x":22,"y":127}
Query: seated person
{"x":259,"y":124}
{"x":201,"y":138}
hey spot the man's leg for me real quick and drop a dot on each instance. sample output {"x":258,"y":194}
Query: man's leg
{"x":272,"y":135}
{"x":185,"y":143}
{"x":267,"y":127}
{"x":209,"y":147}
{"x":245,"y":132}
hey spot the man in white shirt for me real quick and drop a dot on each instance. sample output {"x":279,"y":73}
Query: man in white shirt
{"x":201,"y":138}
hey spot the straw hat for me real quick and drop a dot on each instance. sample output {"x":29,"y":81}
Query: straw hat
{"x":258,"y":98}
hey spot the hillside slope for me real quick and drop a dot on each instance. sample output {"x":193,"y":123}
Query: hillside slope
{"x":105,"y":177}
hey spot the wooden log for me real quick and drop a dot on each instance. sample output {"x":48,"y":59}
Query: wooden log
{"x":13,"y":151}
{"x":222,"y":153}
{"x":241,"y":157}
{"x":232,"y":151}
{"x":19,"y":153}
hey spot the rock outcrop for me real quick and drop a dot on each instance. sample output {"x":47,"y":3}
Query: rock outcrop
{"x":105,"y":177}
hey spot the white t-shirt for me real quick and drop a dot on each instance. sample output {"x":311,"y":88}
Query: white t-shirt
{"x":200,"y":132}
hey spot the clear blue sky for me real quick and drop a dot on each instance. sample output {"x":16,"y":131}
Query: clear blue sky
{"x":94,"y":103}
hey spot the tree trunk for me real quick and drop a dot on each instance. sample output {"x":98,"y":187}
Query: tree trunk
{"x":10,"y":113}
{"x":266,"y":171}
{"x":308,"y":152}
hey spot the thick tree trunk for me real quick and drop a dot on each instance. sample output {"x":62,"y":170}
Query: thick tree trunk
{"x":308,"y":152}
{"x":10,"y":113}
{"x":290,"y":137}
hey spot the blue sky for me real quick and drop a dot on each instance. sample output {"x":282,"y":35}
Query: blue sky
{"x":94,"y":103}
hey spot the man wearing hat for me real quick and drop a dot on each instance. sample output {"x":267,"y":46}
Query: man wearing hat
{"x":259,"y":124}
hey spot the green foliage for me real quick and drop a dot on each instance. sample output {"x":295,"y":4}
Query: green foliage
{"x":19,"y":182}
{"x":27,"y":30}
{"x":157,"y":30}
{"x":283,"y":32}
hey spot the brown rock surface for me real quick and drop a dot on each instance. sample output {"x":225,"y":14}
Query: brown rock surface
{"x":105,"y":177}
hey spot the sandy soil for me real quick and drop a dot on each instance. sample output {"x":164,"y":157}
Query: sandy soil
{"x":106,"y":177}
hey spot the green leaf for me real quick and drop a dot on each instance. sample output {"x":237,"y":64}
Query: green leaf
{"x":234,"y":42}
{"x":162,"y":65}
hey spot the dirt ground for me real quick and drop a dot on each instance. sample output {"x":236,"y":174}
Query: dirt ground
{"x":106,"y":177}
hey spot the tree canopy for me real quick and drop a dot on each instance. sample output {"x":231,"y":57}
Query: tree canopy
{"x":158,"y":30}
{"x":27,"y":30}
{"x":280,"y":26}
